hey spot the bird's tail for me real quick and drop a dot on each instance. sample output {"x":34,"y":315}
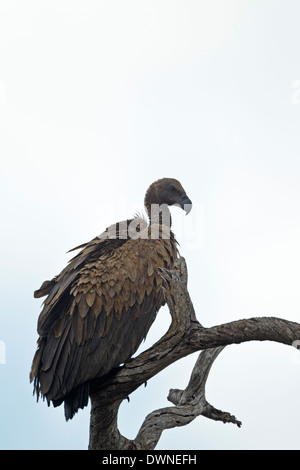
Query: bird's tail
{"x":76,"y":399}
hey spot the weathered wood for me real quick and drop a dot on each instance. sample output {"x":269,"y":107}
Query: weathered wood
{"x":185,"y":336}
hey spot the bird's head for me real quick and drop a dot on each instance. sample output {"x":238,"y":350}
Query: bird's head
{"x":167,"y":191}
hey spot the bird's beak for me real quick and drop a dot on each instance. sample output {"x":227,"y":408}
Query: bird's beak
{"x":185,"y":203}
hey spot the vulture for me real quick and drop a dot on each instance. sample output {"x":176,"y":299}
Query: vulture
{"x":101,"y":306}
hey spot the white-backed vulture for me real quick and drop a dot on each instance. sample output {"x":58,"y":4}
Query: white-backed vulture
{"x":101,"y":306}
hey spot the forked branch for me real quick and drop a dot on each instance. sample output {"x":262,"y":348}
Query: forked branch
{"x":189,"y":404}
{"x":184,"y":337}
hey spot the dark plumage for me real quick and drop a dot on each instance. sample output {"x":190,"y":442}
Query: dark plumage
{"x":101,"y":306}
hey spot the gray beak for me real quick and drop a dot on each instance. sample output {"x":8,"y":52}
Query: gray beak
{"x":185,"y":203}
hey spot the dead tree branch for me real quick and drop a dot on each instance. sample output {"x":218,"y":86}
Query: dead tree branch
{"x":189,"y":404}
{"x":185,"y":336}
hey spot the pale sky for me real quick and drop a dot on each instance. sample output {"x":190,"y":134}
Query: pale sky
{"x":97,"y":100}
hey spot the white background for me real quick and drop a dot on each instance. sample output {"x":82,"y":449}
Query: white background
{"x":97,"y":100}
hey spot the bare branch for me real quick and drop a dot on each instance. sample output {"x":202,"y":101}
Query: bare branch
{"x":196,"y":386}
{"x":189,"y":404}
{"x":185,"y":336}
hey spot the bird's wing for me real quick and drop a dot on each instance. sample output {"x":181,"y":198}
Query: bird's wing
{"x":60,"y":285}
{"x":98,"y":312}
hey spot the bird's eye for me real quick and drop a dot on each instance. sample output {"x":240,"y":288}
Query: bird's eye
{"x":172,"y":187}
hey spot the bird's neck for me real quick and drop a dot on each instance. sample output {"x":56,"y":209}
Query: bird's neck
{"x":158,"y":213}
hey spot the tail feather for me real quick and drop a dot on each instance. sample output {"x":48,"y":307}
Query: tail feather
{"x":76,"y":399}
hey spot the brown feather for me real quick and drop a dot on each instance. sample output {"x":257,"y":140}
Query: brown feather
{"x":83,"y":306}
{"x":90,"y":296}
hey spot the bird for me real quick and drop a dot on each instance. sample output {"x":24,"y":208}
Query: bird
{"x":99,"y":309}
